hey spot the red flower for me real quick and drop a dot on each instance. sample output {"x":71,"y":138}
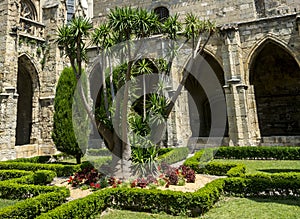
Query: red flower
{"x":97,"y":186}
{"x":92,"y":184}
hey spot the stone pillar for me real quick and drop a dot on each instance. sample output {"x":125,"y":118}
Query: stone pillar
{"x":236,"y":90}
{"x":182,"y":128}
{"x":8,"y":109}
{"x":8,"y":78}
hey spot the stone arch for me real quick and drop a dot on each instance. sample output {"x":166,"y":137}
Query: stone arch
{"x":28,"y":10}
{"x":259,"y":46}
{"x":199,"y":105}
{"x":275,"y":74}
{"x":28,"y":91}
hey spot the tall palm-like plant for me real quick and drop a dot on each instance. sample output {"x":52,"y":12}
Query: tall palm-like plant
{"x":194,"y":27}
{"x":71,"y":38}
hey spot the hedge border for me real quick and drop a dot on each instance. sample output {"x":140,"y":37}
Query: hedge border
{"x":38,"y":198}
{"x":60,"y":169}
{"x":179,"y":203}
{"x":174,"y":155}
{"x":259,"y":152}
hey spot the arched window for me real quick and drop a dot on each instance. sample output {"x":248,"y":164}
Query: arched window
{"x":162,"y":12}
{"x":28,"y":10}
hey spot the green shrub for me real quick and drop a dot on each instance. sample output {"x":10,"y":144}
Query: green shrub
{"x":261,"y":152}
{"x":37,"y":159}
{"x":262,"y":184}
{"x":63,"y":131}
{"x":12,"y":190}
{"x":81,"y":208}
{"x":40,"y":177}
{"x":32,"y":207}
{"x":60,"y":169}
{"x":10,"y":174}
{"x":174,"y":155}
{"x":99,"y":152}
{"x":175,"y":203}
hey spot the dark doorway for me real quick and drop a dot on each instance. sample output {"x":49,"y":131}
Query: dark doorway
{"x":162,"y":12}
{"x":199,"y":105}
{"x":24,"y":113}
{"x":276,"y":78}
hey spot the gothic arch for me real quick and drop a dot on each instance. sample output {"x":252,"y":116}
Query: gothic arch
{"x":275,"y":74}
{"x":28,"y":10}
{"x":259,"y":46}
{"x":162,"y":12}
{"x":199,"y":104}
{"x":28,"y":91}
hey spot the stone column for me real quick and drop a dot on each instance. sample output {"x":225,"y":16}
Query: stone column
{"x":8,"y":78}
{"x":8,"y":109}
{"x":236,"y":90}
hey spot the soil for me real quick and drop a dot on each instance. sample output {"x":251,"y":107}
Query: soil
{"x":76,"y":193}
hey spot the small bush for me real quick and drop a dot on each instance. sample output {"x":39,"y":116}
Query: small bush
{"x":173,"y":156}
{"x":60,"y":169}
{"x":261,"y":152}
{"x":30,"y":208}
{"x":10,"y":174}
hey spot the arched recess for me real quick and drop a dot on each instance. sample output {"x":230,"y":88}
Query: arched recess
{"x":275,"y":75}
{"x":27,"y":88}
{"x":199,"y":105}
{"x":162,"y":13}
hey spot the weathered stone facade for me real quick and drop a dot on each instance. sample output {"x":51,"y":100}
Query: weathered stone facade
{"x":256,"y":57}
{"x":30,"y":66}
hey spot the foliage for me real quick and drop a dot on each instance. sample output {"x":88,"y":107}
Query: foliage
{"x":262,"y":152}
{"x":60,"y":169}
{"x":63,"y":132}
{"x":32,"y":207}
{"x":9,"y":174}
{"x":174,"y":155}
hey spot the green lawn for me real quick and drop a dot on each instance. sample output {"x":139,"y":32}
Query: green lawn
{"x":247,"y":208}
{"x":6,"y":202}
{"x":268,"y":166}
{"x":228,"y":208}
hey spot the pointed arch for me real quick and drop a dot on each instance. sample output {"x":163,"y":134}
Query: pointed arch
{"x":28,"y":91}
{"x":275,"y":74}
{"x":28,"y":10}
{"x":269,"y":38}
{"x":199,"y":104}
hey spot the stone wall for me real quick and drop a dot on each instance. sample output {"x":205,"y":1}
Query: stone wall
{"x":29,"y":50}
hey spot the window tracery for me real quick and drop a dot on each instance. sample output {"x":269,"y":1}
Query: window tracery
{"x":28,"y":10}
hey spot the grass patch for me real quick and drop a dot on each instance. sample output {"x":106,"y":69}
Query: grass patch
{"x":6,"y":202}
{"x":267,"y":166}
{"x":254,"y":208}
{"x":122,"y":214}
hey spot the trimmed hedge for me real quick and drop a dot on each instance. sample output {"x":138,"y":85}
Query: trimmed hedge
{"x":179,"y":203}
{"x":174,"y":155}
{"x":278,"y":184}
{"x":81,"y":208}
{"x":60,"y":169}
{"x":10,"y":174}
{"x":40,"y":177}
{"x":99,"y":152}
{"x":260,"y":152}
{"x":12,"y":190}
{"x":175,"y":203}
{"x":32,"y":207}
{"x":37,"y":159}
